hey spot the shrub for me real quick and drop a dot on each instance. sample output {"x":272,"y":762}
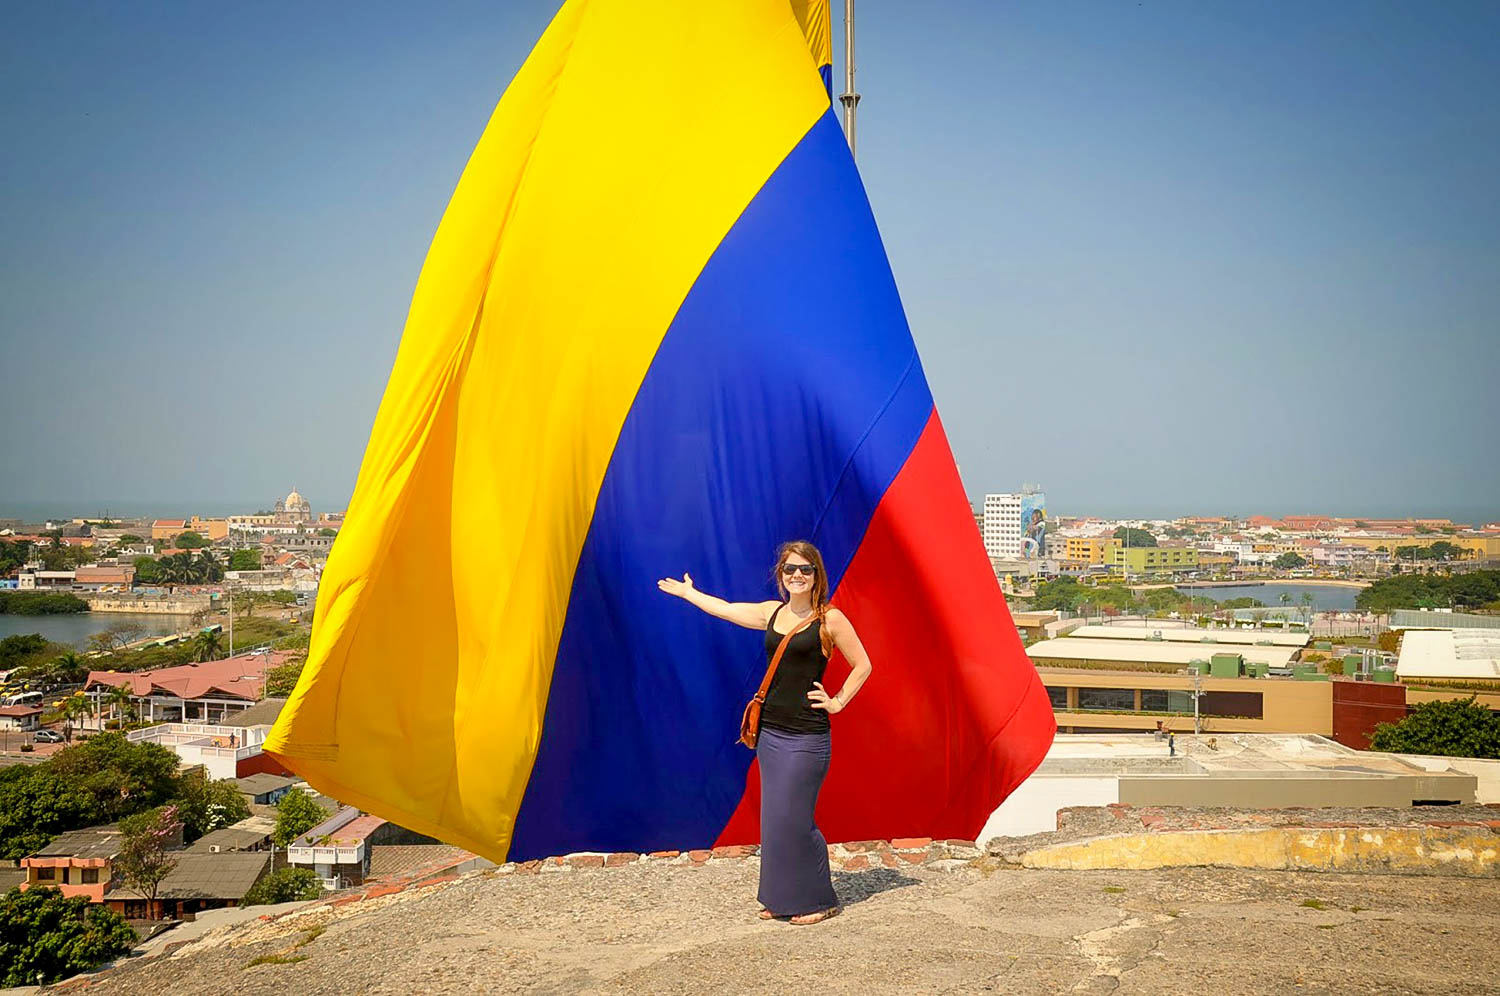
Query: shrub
{"x":45,"y":936}
{"x":1451,"y":728}
{"x":289,"y":885}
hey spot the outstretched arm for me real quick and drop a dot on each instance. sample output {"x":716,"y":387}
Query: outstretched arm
{"x":844,"y":637}
{"x":751,"y":615}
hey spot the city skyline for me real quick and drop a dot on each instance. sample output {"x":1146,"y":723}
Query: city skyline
{"x":1166,"y":259}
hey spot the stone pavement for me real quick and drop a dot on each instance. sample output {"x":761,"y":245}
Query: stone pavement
{"x":946,"y":925}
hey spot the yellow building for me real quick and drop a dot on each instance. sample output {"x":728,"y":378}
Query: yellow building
{"x":1208,"y":561}
{"x":211,"y":529}
{"x":1089,"y":549}
{"x":1481,"y":546}
{"x":1154,"y":559}
{"x":1088,"y":701}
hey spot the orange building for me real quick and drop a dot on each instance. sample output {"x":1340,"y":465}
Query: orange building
{"x":80,"y":863}
{"x":163,"y":529}
{"x":211,"y":529}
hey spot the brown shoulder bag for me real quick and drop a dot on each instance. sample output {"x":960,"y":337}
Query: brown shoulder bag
{"x":750,"y":722}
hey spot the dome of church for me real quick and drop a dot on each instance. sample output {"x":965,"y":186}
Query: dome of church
{"x":295,"y":501}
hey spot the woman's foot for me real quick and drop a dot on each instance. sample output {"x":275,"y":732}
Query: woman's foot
{"x":810,"y":918}
{"x":766,"y":915}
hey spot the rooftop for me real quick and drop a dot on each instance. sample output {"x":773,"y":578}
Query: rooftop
{"x":263,"y":713}
{"x":91,"y":842}
{"x":240,"y":677}
{"x":247,"y":833}
{"x":204,"y":875}
{"x":1469,"y":654}
{"x":260,"y":783}
{"x":1175,"y":631}
{"x":1152,"y":651}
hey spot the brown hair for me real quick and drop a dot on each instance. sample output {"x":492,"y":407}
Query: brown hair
{"x":808,"y":552}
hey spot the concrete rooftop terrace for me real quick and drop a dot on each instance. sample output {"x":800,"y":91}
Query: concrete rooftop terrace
{"x":682,"y":928}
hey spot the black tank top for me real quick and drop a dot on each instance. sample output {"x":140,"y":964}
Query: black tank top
{"x":787,"y":705}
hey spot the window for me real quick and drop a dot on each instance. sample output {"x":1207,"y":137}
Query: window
{"x":1106,"y":698}
{"x":90,"y":876}
{"x":1059,"y":697}
{"x":46,"y":874}
{"x":1162,"y":700}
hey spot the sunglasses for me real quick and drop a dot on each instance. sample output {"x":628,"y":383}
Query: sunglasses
{"x":806,"y":570}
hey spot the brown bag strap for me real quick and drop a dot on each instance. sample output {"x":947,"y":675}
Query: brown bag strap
{"x":765,"y":683}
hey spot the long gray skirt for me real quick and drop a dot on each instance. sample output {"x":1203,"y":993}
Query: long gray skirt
{"x":794,"y":875}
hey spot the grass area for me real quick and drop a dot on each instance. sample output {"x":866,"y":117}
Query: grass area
{"x":1072,"y":665}
{"x":1314,"y":904}
{"x":276,"y":959}
{"x":256,"y":630}
{"x":1113,"y":890}
{"x":1455,"y":686}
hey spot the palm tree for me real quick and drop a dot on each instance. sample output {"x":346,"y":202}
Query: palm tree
{"x":120,"y":700}
{"x":69,"y":667}
{"x":206,"y":646}
{"x":74,"y":707}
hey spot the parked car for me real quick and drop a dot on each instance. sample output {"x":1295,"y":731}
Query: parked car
{"x":48,"y":737}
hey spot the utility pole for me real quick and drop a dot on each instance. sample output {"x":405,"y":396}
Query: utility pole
{"x":1197,"y":691}
{"x":849,"y":98}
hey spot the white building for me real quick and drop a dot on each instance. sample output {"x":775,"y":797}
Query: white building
{"x":1002,"y":526}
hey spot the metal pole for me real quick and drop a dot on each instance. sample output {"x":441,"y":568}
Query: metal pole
{"x":849,"y":98}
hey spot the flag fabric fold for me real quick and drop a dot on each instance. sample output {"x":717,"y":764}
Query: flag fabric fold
{"x":656,"y":331}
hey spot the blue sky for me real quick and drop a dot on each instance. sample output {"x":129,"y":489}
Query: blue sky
{"x":1158,"y":257}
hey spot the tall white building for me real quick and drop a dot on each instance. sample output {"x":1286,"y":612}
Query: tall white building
{"x":1002,"y":526}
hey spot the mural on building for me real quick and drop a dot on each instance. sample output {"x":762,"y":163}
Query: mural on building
{"x":1033,"y":524}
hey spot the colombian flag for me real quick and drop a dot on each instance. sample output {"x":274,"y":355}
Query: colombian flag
{"x":656,"y":331}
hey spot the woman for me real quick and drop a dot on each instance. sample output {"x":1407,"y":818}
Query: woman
{"x":794,"y":746}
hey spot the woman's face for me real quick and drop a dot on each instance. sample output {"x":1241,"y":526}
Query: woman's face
{"x":797,"y":574}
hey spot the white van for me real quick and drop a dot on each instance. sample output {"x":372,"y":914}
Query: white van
{"x":24,"y":698}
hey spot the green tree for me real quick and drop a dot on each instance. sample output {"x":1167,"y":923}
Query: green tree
{"x":296,"y":814}
{"x":205,"y":804}
{"x":289,"y":885}
{"x":145,"y":856}
{"x":130,"y":538}
{"x":190,"y":540}
{"x":244,"y":560}
{"x":46,"y":937}
{"x":1289,"y":560}
{"x":1451,"y":728}
{"x":13,"y":554}
{"x":207,"y":646}
{"x":281,"y":680}
{"x":70,"y":668}
{"x":325,"y":531}
{"x":22,"y":650}
{"x":98,"y":781}
{"x":1131,"y":536}
{"x":147,"y":571}
{"x":40,"y":603}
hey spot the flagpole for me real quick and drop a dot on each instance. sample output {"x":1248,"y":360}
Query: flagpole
{"x":849,"y":98}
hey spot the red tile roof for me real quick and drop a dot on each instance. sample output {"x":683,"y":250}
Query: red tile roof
{"x":169,"y":523}
{"x":242,"y":677}
{"x":19,"y":710}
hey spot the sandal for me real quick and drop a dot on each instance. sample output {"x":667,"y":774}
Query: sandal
{"x":808,"y":919}
{"x":766,"y":915}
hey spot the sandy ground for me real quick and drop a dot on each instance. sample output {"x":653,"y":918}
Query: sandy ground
{"x":661,"y":928}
